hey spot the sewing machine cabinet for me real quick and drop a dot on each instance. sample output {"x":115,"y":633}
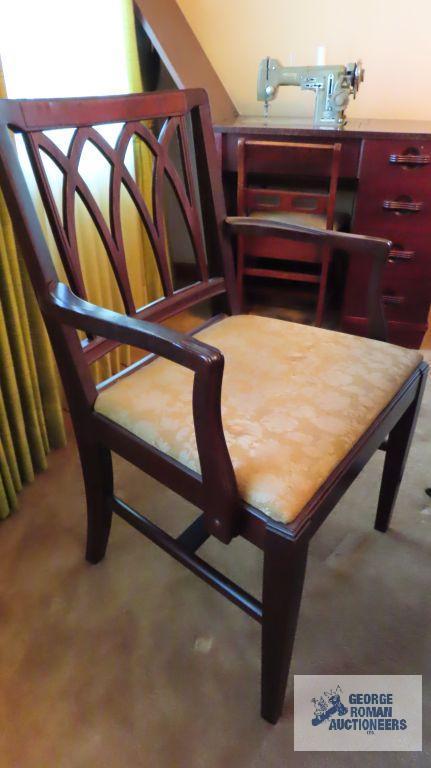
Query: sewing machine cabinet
{"x":387,"y":164}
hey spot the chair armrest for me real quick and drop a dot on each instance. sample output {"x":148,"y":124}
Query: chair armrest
{"x":70,"y":309}
{"x":375,"y":248}
{"x":220,"y":494}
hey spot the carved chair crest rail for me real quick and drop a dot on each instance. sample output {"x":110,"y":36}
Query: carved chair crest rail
{"x":255,"y":457}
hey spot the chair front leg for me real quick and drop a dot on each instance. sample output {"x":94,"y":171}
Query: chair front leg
{"x":397,"y":451}
{"x":283,"y":579}
{"x":320,"y":309}
{"x":98,"y":479}
{"x":240,"y":262}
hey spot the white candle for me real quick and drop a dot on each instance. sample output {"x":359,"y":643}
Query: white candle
{"x":320,"y":55}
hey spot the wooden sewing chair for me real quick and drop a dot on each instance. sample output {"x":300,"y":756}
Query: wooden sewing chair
{"x":300,"y":165}
{"x":301,"y":410}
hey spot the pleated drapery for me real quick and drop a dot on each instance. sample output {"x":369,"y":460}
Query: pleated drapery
{"x":31,"y":419}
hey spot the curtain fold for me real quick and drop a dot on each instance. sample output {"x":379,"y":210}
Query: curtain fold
{"x":31,"y":419}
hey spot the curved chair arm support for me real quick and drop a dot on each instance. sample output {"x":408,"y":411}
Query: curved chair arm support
{"x":376,"y":248}
{"x":185,"y":350}
{"x":219,"y":484}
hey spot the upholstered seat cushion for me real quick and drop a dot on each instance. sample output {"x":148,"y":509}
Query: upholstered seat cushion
{"x":295,"y":399}
{"x":317,"y":220}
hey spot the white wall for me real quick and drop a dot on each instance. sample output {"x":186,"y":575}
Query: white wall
{"x":392,"y":37}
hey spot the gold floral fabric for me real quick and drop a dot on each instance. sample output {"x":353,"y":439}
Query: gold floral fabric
{"x":295,"y":400}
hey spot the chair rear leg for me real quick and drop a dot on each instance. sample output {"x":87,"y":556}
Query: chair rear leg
{"x":283,"y":579}
{"x":98,"y":478}
{"x":397,"y":451}
{"x":240,"y":272}
{"x":322,"y":289}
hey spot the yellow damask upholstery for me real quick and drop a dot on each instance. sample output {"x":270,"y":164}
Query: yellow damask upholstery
{"x":295,"y":400}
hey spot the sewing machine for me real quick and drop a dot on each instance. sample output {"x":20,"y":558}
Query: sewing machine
{"x":333,"y":86}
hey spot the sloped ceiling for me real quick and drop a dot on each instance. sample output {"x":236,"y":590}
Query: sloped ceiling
{"x":182,"y":54}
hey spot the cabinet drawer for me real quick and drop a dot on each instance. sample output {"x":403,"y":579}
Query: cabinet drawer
{"x":413,"y":230}
{"x":393,"y":213}
{"x":394,"y":197}
{"x":399,"y":162}
{"x":406,"y":297}
{"x":416,"y":192}
{"x":408,"y":263}
{"x":404,"y":334}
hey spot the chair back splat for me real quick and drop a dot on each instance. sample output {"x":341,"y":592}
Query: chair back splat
{"x":179,"y":111}
{"x":184,"y":120}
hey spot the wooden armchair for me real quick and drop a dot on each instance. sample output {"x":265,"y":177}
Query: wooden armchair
{"x":301,"y":410}
{"x":288,"y":202}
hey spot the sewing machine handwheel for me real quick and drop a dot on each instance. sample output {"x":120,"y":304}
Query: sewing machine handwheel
{"x":357,"y":77}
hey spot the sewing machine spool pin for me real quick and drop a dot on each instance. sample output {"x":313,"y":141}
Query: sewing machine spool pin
{"x":332,"y":84}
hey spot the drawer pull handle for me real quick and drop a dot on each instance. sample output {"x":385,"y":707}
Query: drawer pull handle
{"x":410,"y":159}
{"x":402,"y":205}
{"x":397,"y":254}
{"x":393,"y":299}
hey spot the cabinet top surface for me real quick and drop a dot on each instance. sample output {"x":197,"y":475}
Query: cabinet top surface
{"x":354,"y":128}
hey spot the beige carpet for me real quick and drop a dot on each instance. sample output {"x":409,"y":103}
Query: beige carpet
{"x":137,"y":663}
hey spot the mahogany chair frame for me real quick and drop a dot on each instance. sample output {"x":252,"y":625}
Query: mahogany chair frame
{"x":214,"y":491}
{"x":261,"y":156}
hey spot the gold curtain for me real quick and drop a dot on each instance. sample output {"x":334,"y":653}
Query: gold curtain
{"x":31,"y":420}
